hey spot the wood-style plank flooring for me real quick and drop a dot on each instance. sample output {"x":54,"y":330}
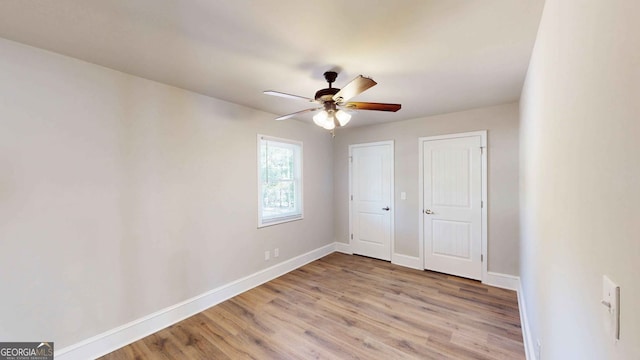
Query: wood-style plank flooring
{"x":348,"y":307}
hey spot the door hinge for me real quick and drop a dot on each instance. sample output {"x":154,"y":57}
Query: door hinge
{"x":351,"y":236}
{"x":351,"y":197}
{"x":481,"y":257}
{"x":481,"y":204}
{"x":350,"y":158}
{"x":481,"y":150}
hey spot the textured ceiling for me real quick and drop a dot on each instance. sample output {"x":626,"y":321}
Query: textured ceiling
{"x":432,"y":56}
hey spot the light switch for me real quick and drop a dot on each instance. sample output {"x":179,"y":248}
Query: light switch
{"x":403,"y":196}
{"x":611,"y":303}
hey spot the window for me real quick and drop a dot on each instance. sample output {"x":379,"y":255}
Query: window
{"x":279,"y":180}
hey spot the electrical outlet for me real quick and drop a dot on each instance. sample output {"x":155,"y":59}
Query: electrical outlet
{"x":276,"y":252}
{"x":266,"y":255}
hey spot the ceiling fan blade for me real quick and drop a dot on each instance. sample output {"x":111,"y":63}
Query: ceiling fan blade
{"x":372,"y":106}
{"x":284,"y":117}
{"x":289,"y":96}
{"x":355,"y":87}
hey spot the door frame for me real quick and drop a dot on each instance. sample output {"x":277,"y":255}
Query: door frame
{"x":483,"y":210}
{"x":392,"y":212}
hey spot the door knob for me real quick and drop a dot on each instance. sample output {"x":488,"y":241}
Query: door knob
{"x":428,"y":212}
{"x":385,"y":208}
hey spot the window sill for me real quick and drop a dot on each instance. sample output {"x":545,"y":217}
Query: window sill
{"x":280,"y":221}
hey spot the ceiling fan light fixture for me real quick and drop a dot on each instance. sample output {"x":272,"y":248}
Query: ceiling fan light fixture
{"x":325,"y":119}
{"x":329,"y":124}
{"x":320,"y":118}
{"x":343,"y":117}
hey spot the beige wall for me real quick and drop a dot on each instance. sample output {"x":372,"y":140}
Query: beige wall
{"x":121,"y":196}
{"x":580,"y":178}
{"x":502,"y":125}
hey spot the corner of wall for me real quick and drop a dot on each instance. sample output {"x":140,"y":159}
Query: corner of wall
{"x":527,"y":337}
{"x":343,"y":248}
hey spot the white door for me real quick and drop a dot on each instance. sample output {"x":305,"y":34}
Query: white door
{"x":452,"y":214}
{"x":371,"y":203}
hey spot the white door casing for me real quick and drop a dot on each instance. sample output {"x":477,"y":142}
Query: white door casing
{"x":453,"y":222}
{"x":371,"y":199}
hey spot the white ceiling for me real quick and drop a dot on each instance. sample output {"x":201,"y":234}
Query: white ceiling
{"x":432,"y":56}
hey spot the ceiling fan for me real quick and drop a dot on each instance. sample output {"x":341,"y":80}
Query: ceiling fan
{"x":334,"y":104}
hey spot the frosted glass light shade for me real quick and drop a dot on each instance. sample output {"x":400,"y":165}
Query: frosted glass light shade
{"x":343,"y":117}
{"x":323,"y":119}
{"x":320,"y":118}
{"x":329,"y":124}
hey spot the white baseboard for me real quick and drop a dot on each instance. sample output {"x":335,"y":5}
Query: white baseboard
{"x":504,"y":281}
{"x":514,"y":283}
{"x":407,"y":261}
{"x":527,"y":338}
{"x":114,"y":339}
{"x":343,"y":248}
{"x":123,"y":335}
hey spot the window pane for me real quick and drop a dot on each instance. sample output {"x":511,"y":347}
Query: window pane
{"x":279,"y":163}
{"x":279,"y":199}
{"x":280,"y":185}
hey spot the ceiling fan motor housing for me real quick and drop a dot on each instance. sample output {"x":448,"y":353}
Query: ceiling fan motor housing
{"x":324,"y":95}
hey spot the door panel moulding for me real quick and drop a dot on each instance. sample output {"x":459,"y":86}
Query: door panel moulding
{"x":484,"y":204}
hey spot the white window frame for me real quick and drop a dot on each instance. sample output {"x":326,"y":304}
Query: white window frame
{"x":298,"y":186}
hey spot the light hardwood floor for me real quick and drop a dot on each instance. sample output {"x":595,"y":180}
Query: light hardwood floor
{"x":348,"y":307}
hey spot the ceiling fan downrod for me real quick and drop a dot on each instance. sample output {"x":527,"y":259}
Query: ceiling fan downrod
{"x":326,"y":94}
